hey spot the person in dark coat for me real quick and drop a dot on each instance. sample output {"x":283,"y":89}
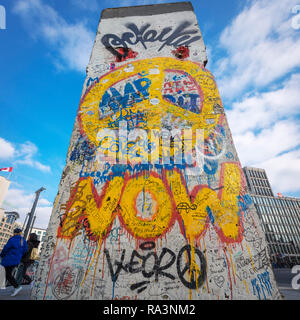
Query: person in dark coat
{"x":11,"y":255}
{"x":32,"y":242}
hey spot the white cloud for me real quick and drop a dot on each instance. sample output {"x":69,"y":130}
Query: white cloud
{"x":284,"y":172}
{"x":261,"y":47}
{"x":268,"y":143}
{"x":7,"y":150}
{"x":21,"y":201}
{"x":26,"y":153}
{"x":21,"y":154}
{"x":265,"y":109}
{"x":267,"y":124}
{"x":71,"y":43}
{"x":259,"y":79}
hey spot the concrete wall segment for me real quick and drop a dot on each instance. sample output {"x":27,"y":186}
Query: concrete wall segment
{"x":135,"y":230}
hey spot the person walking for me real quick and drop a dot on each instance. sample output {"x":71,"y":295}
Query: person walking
{"x":28,"y":258}
{"x":11,"y":255}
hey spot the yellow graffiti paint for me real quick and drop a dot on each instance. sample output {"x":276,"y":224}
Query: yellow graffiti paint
{"x":91,"y":121}
{"x":150,"y":194}
{"x":224,"y":212}
{"x":228,"y":219}
{"x":221,"y":208}
{"x":98,"y":211}
{"x":160,"y":217}
{"x":246,"y":286}
{"x":251,"y":258}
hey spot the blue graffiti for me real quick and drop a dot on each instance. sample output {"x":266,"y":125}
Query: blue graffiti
{"x":247,"y":199}
{"x":244,"y":202}
{"x":210,"y":214}
{"x":92,"y":80}
{"x":112,"y":100}
{"x":210,"y":166}
{"x":263,"y":285}
{"x":119,"y":170}
{"x":188,"y":101}
{"x":82,"y":151}
{"x":114,"y":234}
{"x":134,"y":119}
{"x":130,"y":148}
{"x":229,"y":155}
{"x":214,"y":143}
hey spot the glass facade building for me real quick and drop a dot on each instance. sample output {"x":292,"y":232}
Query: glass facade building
{"x":41,"y":233}
{"x":280,"y":218}
{"x":7,"y":226}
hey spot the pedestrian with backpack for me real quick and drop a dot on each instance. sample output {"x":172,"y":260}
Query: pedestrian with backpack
{"x":28,"y":258}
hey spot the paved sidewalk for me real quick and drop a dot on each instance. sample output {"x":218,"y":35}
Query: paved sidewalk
{"x":284,"y":278}
{"x":290,"y":294}
{"x":24,"y":294}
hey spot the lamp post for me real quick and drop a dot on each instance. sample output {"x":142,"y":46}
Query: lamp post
{"x":31,"y":213}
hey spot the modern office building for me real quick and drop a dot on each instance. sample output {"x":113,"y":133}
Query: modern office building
{"x":258,"y":182}
{"x":41,"y":233}
{"x":7,"y":225}
{"x":280,"y":217}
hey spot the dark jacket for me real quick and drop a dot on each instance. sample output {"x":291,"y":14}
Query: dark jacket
{"x":13,"y":251}
{"x":33,"y":242}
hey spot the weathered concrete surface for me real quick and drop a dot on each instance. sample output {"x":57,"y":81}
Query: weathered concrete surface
{"x":152,"y":226}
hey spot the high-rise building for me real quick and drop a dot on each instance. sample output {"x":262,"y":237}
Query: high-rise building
{"x":257,"y":181}
{"x":7,"y":225}
{"x":280,"y":217}
{"x":41,"y":233}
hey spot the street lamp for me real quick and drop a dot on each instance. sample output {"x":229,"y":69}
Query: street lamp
{"x":31,"y":213}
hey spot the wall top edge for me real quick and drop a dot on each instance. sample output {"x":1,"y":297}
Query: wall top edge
{"x":146,"y":10}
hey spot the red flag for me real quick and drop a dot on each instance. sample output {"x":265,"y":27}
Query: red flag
{"x":7,"y":169}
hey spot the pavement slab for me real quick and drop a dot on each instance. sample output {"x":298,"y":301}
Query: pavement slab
{"x":24,"y":294}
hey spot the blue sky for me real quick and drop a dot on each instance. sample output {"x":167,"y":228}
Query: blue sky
{"x":253,"y":49}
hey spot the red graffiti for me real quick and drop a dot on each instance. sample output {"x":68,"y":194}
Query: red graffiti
{"x":181,"y":52}
{"x":124,"y":54}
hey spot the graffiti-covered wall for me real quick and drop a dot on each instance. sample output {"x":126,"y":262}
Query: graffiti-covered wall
{"x":152,"y":202}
